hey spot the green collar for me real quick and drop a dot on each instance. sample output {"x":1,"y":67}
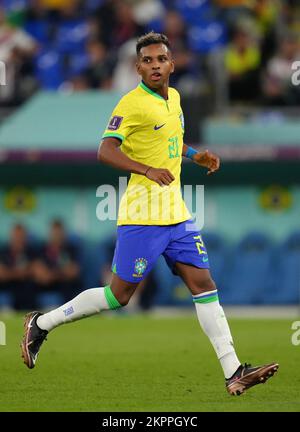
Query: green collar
{"x":148,"y":90}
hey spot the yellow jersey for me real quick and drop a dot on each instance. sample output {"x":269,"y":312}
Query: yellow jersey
{"x":150,"y":129}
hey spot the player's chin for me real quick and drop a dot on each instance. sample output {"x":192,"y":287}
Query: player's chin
{"x":156,"y":81}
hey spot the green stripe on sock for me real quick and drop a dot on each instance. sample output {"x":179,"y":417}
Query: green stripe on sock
{"x":110,"y":298}
{"x":207,"y":299}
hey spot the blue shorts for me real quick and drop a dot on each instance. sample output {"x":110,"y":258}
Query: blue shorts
{"x":139,"y":246}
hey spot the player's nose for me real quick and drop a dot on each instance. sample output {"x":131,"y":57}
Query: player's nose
{"x":155,"y":66}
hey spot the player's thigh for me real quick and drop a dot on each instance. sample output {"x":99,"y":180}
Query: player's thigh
{"x":137,"y":250}
{"x":122,"y":290}
{"x":198,"y":280}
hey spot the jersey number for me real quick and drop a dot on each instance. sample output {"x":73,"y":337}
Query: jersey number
{"x":173,"y":148}
{"x":200,"y":244}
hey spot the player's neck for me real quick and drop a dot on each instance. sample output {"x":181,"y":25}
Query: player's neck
{"x":162,"y":91}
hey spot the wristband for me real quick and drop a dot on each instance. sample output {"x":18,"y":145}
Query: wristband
{"x":147,"y":171}
{"x":190,"y":153}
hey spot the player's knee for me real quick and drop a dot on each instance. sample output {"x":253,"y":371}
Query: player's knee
{"x":122,"y":290}
{"x":123,"y":296}
{"x":123,"y":300}
{"x":204,"y":285}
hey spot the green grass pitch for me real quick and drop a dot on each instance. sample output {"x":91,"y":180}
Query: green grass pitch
{"x":141,"y":363}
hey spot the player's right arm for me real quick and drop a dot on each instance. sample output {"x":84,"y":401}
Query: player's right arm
{"x":126,"y":118}
{"x":109,"y":152}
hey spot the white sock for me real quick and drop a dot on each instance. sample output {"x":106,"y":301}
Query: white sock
{"x":87,"y":303}
{"x":212,"y":319}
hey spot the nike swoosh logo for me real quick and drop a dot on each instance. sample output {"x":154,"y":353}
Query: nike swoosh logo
{"x":158,"y":127}
{"x":29,"y":324}
{"x":205,"y":259}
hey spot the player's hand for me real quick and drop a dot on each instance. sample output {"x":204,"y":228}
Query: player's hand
{"x":161,"y":176}
{"x":207,"y":159}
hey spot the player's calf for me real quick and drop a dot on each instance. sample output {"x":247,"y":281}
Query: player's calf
{"x":122,"y":290}
{"x":87,"y":303}
{"x":37,"y":325}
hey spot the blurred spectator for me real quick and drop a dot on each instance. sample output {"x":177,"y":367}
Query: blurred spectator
{"x":231,"y":11}
{"x":58,"y":265}
{"x":148,"y":11}
{"x":290,"y":15}
{"x":126,"y":25}
{"x":103,"y":22}
{"x":16,"y":261}
{"x":175,"y":29}
{"x":98,"y":73}
{"x":277,"y":86}
{"x":90,"y":44}
{"x":77,"y":83}
{"x":242,"y":62}
{"x":229,"y":3}
{"x":57,"y":4}
{"x":266,"y":14}
{"x":116,"y":23}
{"x":125,"y":77}
{"x":16,"y":51}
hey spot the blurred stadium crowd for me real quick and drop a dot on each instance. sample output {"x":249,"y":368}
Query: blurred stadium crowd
{"x":41,"y":274}
{"x":228,"y":53}
{"x":241,"y":48}
{"x":36,"y":273}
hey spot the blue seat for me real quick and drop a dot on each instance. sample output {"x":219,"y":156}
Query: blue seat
{"x":207,"y":36}
{"x":155,"y":25}
{"x":91,"y":5}
{"x":11,"y":5}
{"x":6,"y":300}
{"x":79,"y":245}
{"x":249,"y":275}
{"x":94,"y":259}
{"x":49,"y":300}
{"x":217,"y":253}
{"x":97,"y":255}
{"x":71,"y":37}
{"x":170,"y":290}
{"x":285,"y":288}
{"x":219,"y":256}
{"x":39,"y":30}
{"x":193,"y":10}
{"x":77,"y":64}
{"x":48,"y":69}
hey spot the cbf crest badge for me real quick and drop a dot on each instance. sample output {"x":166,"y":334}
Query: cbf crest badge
{"x":140,"y":266}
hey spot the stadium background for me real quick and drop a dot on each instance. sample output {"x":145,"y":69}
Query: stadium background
{"x":67,"y":64}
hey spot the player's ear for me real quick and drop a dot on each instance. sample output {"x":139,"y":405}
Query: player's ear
{"x":138,"y":68}
{"x":138,"y":65}
{"x":172,"y":66}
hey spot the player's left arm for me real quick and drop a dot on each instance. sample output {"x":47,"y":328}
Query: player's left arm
{"x":206,"y":159}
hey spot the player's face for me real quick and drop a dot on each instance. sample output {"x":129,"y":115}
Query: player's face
{"x":18,"y":238}
{"x":57,"y":235}
{"x":155,"y":65}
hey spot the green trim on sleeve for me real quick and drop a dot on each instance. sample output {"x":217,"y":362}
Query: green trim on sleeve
{"x":113,"y":135}
{"x":110,"y":298}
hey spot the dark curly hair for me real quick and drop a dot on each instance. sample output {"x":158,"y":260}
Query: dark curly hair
{"x":151,"y":38}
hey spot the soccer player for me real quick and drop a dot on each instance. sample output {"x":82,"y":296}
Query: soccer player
{"x":145,"y":137}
